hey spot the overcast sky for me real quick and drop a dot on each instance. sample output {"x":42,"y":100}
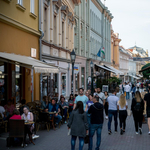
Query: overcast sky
{"x":132,"y":21}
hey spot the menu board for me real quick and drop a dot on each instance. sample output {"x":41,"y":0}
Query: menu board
{"x":105,"y":88}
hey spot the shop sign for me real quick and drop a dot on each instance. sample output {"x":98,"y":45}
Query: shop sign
{"x":1,"y":82}
{"x":33,"y":52}
{"x":76,"y":68}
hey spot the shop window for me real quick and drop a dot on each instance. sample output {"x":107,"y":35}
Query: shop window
{"x":3,"y":84}
{"x":63,"y":85}
{"x":44,"y":85}
{"x":82,"y":77}
{"x":18,"y":79}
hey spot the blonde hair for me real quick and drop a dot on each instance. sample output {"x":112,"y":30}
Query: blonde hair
{"x":138,"y":96}
{"x":122,"y":101}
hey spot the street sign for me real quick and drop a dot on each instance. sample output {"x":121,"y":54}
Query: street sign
{"x":141,"y":59}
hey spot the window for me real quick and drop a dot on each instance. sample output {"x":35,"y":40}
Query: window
{"x":55,"y":31}
{"x":32,"y":6}
{"x":62,"y":34}
{"x":20,"y":2}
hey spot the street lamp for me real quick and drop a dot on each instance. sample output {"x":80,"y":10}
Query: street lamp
{"x":91,"y":65}
{"x":73,"y":57}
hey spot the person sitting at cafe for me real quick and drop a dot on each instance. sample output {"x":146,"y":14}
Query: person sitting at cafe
{"x":2,"y":111}
{"x":16,"y":115}
{"x":44,"y":103}
{"x":64,"y":108}
{"x":9,"y":108}
{"x":23,"y":102}
{"x":53,"y":107}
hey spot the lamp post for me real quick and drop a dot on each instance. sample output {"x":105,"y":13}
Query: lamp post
{"x":73,"y":57}
{"x":91,"y":65}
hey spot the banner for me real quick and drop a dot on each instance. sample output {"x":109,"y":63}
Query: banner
{"x":141,"y":59}
{"x":76,"y":68}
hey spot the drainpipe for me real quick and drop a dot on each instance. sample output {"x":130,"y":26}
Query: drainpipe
{"x":40,"y":46}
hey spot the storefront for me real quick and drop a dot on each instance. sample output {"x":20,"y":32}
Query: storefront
{"x":18,"y":77}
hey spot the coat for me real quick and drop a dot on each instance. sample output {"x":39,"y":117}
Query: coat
{"x":78,"y":123}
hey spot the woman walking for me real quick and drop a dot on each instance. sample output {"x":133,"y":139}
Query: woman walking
{"x":122,"y":107}
{"x":79,"y":125}
{"x":137,"y":108}
{"x":106,"y":104}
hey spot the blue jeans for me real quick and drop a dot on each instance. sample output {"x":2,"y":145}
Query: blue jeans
{"x":89,"y":118}
{"x":73,"y":142}
{"x":65,"y":113}
{"x":92,"y":129}
{"x":127,"y":95}
{"x":58,"y":119}
{"x":110,"y":114}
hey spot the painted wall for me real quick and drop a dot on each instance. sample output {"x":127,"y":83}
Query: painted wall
{"x":11,"y":10}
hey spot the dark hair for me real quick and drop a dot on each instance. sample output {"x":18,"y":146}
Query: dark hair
{"x":9,"y":100}
{"x":97,"y":98}
{"x":91,"y":95}
{"x":70,"y":96}
{"x":62,"y":97}
{"x":114,"y":90}
{"x":106,"y":92}
{"x":26,"y":107}
{"x":81,"y":89}
{"x":23,"y":101}
{"x":79,"y":107}
{"x":76,"y":95}
{"x":16,"y":112}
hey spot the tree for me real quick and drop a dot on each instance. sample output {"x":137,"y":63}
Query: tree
{"x":146,"y":73}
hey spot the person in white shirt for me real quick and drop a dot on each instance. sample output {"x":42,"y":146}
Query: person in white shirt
{"x":2,"y":110}
{"x":127,"y":90}
{"x":122,"y":107}
{"x":112,"y":110}
{"x":101,"y":96}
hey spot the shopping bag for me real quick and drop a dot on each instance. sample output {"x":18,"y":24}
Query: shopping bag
{"x":86,"y":139}
{"x":124,"y":93}
{"x":129,"y":112}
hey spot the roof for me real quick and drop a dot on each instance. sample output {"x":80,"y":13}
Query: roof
{"x":138,"y":49}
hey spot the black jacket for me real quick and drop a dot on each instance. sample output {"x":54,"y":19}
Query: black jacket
{"x":96,"y":111}
{"x":134,"y":103}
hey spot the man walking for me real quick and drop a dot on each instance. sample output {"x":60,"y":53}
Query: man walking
{"x":147,"y":99}
{"x":101,"y":96}
{"x":81,"y":98}
{"x":112,"y":110}
{"x":127,"y":90}
{"x":96,"y":111}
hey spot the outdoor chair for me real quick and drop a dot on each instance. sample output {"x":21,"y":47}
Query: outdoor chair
{"x":16,"y":129}
{"x":3,"y":124}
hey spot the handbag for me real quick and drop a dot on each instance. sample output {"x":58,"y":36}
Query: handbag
{"x":86,"y":139}
{"x":129,"y":112}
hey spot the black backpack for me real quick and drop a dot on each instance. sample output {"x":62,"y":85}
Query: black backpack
{"x":138,"y":106}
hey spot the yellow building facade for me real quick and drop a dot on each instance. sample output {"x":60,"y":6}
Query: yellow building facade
{"x":19,"y":35}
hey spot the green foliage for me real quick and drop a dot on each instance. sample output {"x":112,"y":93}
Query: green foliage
{"x":114,"y":80}
{"x":146,"y":73}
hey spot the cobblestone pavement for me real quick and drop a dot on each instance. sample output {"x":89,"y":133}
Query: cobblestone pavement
{"x":59,"y":140}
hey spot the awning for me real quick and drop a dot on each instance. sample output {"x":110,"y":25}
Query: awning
{"x":105,"y":68}
{"x":114,"y":69}
{"x":147,"y":68}
{"x":134,"y":76}
{"x":29,"y":62}
{"x":139,"y":76}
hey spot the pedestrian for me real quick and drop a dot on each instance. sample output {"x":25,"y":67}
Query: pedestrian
{"x":127,"y":90}
{"x":142,"y":86}
{"x":106,"y":104}
{"x":123,"y":86}
{"x":137,"y":108}
{"x":88,"y":104}
{"x":96,"y":111}
{"x":81,"y":98}
{"x":71,"y":103}
{"x":133,"y":90}
{"x":101,"y":96}
{"x":112,"y":110}
{"x":78,"y":125}
{"x":122,"y":107}
{"x":147,"y":100}
{"x":87,"y":94}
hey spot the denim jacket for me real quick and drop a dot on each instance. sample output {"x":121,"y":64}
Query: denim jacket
{"x":50,"y":107}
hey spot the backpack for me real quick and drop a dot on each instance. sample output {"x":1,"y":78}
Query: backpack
{"x":138,"y":106}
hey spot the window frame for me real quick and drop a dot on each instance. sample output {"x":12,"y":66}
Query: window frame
{"x":20,"y":2}
{"x":32,"y":6}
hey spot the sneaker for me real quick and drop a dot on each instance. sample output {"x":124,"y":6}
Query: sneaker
{"x":149,"y":133}
{"x":140,"y":130}
{"x":109,"y":132}
{"x":116,"y":131}
{"x":35,"y":137}
{"x":124,"y":131}
{"x":121,"y":131}
{"x":136,"y":133}
{"x":106,"y":117}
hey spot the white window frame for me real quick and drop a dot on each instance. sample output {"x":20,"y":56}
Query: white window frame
{"x":20,"y":2}
{"x":32,"y":6}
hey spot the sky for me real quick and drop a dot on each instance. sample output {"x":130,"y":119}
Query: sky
{"x":132,"y":21}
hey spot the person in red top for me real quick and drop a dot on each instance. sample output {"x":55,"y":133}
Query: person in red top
{"x":16,"y":115}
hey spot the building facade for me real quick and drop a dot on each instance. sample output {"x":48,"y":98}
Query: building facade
{"x":57,"y":24}
{"x":19,"y":35}
{"x":92,"y":33}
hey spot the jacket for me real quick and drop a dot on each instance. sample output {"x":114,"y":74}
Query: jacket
{"x":127,"y":88}
{"x":78,"y":123}
{"x":50,"y":107}
{"x":96,"y":111}
{"x":134,"y":103}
